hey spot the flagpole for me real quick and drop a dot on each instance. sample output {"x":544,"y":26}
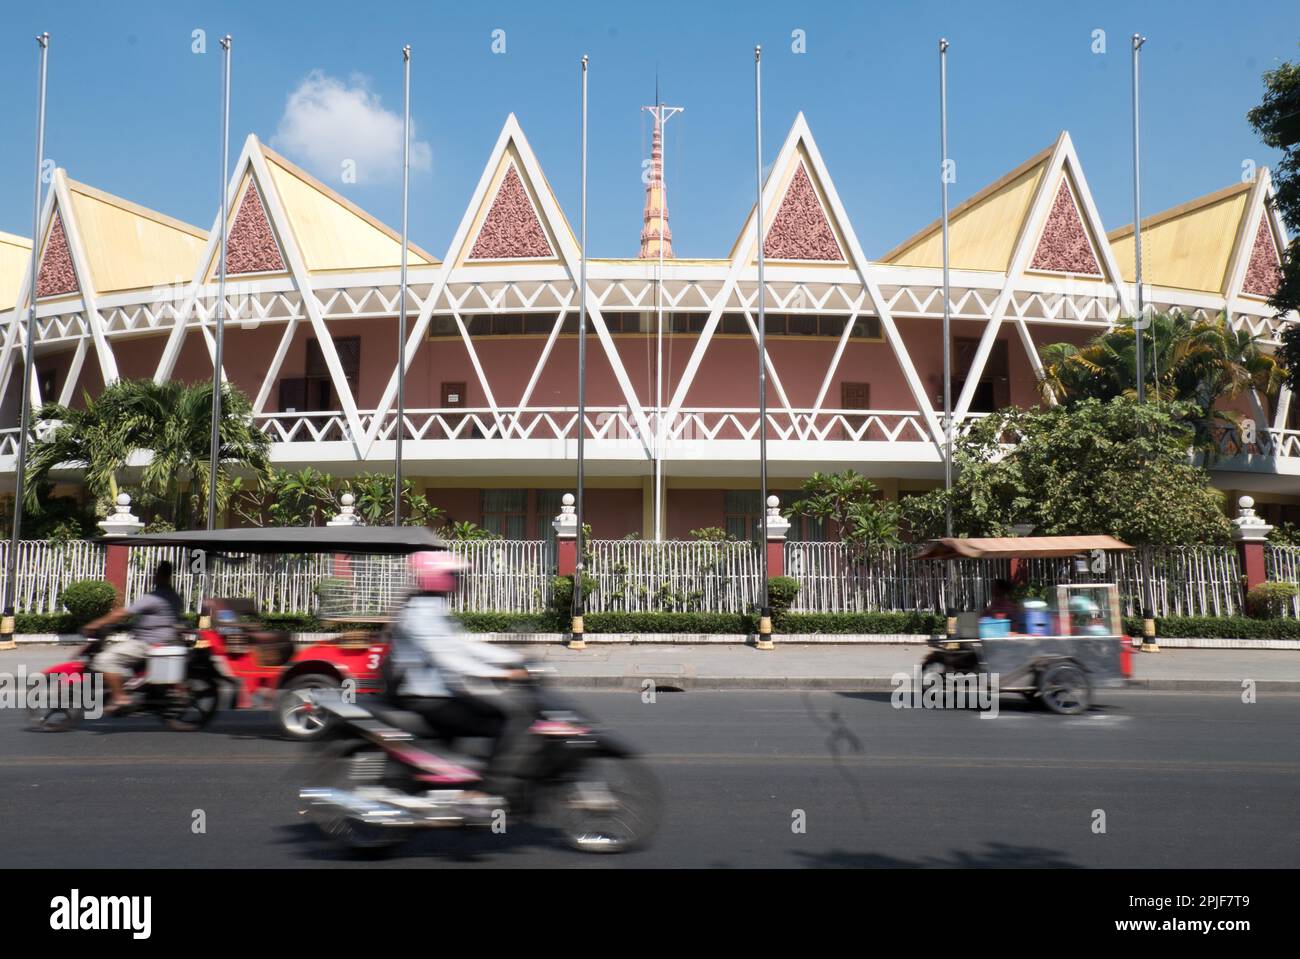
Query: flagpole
{"x":950,"y":610}
{"x":1140,"y":358}
{"x":1149,"y":643}
{"x":214,"y":452}
{"x":764,"y":640}
{"x":401,"y":309}
{"x":20,"y":477}
{"x":580,"y":570}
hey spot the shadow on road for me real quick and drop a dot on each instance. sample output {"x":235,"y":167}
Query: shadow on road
{"x":994,"y":855}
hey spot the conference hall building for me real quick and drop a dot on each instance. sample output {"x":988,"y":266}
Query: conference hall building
{"x":854,"y":356}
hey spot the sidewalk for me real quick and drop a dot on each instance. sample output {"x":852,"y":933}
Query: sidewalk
{"x":804,"y":666}
{"x":608,"y":665}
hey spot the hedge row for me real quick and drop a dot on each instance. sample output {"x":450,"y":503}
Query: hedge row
{"x":915,"y":623}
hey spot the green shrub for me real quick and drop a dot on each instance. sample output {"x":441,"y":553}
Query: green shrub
{"x":562,"y":592}
{"x":1270,"y":600}
{"x":781,"y":591}
{"x":88,"y":599}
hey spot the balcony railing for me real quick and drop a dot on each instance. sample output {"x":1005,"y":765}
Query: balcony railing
{"x":613,"y":424}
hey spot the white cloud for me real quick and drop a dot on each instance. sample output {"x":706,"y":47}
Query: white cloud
{"x":328,"y":122}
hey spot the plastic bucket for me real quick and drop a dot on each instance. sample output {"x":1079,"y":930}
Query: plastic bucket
{"x":166,"y":664}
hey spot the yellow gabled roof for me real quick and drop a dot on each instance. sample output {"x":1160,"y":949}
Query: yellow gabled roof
{"x":130,"y":247}
{"x":1188,"y":246}
{"x":332,"y":232}
{"x":15,"y":261}
{"x":982,"y":230}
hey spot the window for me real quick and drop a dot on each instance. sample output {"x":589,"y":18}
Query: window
{"x":993,"y":391}
{"x":48,"y":380}
{"x":318,"y":387}
{"x":505,"y":512}
{"x":855,"y":396}
{"x":741,"y":509}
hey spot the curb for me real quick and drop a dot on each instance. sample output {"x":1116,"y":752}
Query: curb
{"x":678,"y":683}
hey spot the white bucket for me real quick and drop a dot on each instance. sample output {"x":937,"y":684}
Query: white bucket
{"x":167,"y":664}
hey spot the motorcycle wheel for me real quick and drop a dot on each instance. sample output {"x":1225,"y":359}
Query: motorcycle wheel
{"x":354,"y":765}
{"x":53,"y":719}
{"x":608,"y":805}
{"x":196,"y":710}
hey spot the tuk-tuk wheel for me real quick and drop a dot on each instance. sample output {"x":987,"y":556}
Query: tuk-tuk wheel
{"x":1064,"y":688}
{"x":297,"y":716}
{"x":934,"y":665}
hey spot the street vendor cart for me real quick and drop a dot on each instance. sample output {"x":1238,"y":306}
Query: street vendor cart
{"x":1055,"y":647}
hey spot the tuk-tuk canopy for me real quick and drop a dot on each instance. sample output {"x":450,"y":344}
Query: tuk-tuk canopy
{"x":294,"y":539}
{"x":1019,"y":547}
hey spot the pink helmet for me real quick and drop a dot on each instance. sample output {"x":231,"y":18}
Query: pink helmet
{"x":434,"y":571}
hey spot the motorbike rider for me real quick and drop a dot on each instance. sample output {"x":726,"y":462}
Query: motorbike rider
{"x":460,"y":685}
{"x":156,"y":617}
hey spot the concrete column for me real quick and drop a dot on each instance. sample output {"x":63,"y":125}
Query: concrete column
{"x":347,"y":514}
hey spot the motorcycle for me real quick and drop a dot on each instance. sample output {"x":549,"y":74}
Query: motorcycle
{"x":185,"y":698}
{"x":388,"y":774}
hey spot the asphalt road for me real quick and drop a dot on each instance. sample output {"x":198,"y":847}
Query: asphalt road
{"x":1184,"y":780}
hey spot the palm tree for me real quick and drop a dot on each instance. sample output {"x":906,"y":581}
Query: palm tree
{"x":1196,"y":362}
{"x":171,"y":422}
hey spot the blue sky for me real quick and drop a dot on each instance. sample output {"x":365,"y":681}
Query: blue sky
{"x":134,"y":111}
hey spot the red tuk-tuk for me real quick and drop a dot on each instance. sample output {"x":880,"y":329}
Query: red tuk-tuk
{"x":264,"y":666}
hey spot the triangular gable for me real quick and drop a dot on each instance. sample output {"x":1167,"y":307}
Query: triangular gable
{"x":332,"y":232}
{"x":510,"y":228}
{"x":251,"y":244}
{"x":15,"y":261}
{"x":982,"y":230}
{"x":57,"y":276}
{"x":1264,"y":269}
{"x":130,"y":247}
{"x":800,"y":229}
{"x":1065,"y":245}
{"x":1189,"y":246}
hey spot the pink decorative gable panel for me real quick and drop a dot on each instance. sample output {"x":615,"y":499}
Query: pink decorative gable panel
{"x":1262,"y":272}
{"x":56,"y":276}
{"x":251,"y":246}
{"x":800,"y":230}
{"x":511,"y":229}
{"x":1063,"y":246}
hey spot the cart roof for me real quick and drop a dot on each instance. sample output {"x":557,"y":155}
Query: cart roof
{"x":997,"y":547}
{"x":295,"y":539}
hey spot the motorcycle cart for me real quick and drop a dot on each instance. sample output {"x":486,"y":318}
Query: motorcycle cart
{"x":1056,"y":650}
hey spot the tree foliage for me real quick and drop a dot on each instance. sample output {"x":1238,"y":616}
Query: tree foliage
{"x":1277,"y":121}
{"x":171,"y":423}
{"x":1197,"y":363}
{"x":1089,"y":467}
{"x":852,"y":505}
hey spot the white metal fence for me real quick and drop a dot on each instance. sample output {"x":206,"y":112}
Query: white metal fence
{"x":1282,"y":564}
{"x":836,"y":578}
{"x":45,"y":569}
{"x":1186,"y":580}
{"x":672,"y":576}
{"x":641,"y":576}
{"x":504,"y":575}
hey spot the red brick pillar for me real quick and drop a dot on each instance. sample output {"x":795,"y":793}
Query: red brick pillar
{"x":115,"y":568}
{"x":1250,"y":533}
{"x":566,"y":538}
{"x":118,"y":526}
